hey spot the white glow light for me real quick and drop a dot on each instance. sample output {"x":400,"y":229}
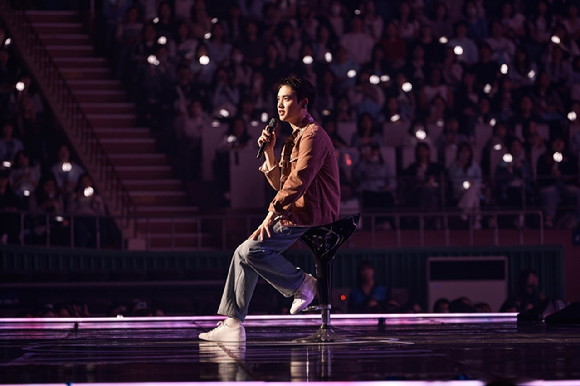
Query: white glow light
{"x":254,"y":123}
{"x":395,"y":118}
{"x":374,"y":79}
{"x":487,"y":88}
{"x":26,"y":193}
{"x":88,"y":192}
{"x":497,"y":146}
{"x":204,"y":60}
{"x":357,"y":12}
{"x":156,"y":20}
{"x":407,"y":87}
{"x":572,"y":116}
{"x":504,"y":69}
{"x":20,"y":86}
{"x":224,"y":113}
{"x":555,"y":39}
{"x":328,"y":57}
{"x":207,"y":36}
{"x":385,"y":78}
{"x":532,"y":74}
{"x":443,"y":40}
{"x":466,"y":185}
{"x":215,"y":124}
{"x":307,"y":59}
{"x":214,"y":20}
{"x":66,"y":166}
{"x":152,"y":59}
{"x":492,"y":121}
{"x":231,"y":139}
{"x":439,"y":123}
{"x":326,"y":112}
{"x":7,"y":164}
{"x":162,"y":40}
{"x":458,"y":50}
{"x":59,"y":218}
{"x":558,"y":157}
{"x":7,"y":42}
{"x":351,"y":73}
{"x":507,"y":158}
{"x":420,"y":134}
{"x":264,"y":117}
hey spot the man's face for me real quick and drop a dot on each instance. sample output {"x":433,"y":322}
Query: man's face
{"x":289,"y":109}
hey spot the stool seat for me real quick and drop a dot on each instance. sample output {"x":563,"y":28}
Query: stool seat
{"x":323,"y":242}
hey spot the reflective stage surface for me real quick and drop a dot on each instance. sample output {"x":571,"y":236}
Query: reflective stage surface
{"x":476,"y":347}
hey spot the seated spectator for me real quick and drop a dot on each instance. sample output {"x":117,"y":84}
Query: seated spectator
{"x":463,"y":46}
{"x":557,"y":177}
{"x":395,"y":46}
{"x":541,"y":23}
{"x":341,"y":66}
{"x":476,"y":25}
{"x":329,"y":125}
{"x":66,"y":172}
{"x":9,"y":222}
{"x":47,"y":200}
{"x":452,"y":69}
{"x":482,"y":308}
{"x":165,"y":25}
{"x":24,"y":178}
{"x":127,"y":35}
{"x":202,"y":66}
{"x":219,"y":49}
{"x":253,"y":46}
{"x":559,"y":70}
{"x":9,"y":146}
{"x":435,"y":87}
{"x":185,"y":44}
{"x":503,"y":101}
{"x":486,"y":69}
{"x":365,"y":97}
{"x":406,"y":23}
{"x":188,"y":132}
{"x":513,"y":22}
{"x":374,"y":179}
{"x":523,"y":71}
{"x":85,"y":206}
{"x":514,"y":177}
{"x":450,"y":138}
{"x":441,"y":306}
{"x":367,"y":132}
{"x":502,"y":49}
{"x":499,"y":140}
{"x":533,"y":141}
{"x":240,"y":70}
{"x":225,"y":95}
{"x":358,"y":44}
{"x":372,"y":21}
{"x":525,"y":294}
{"x":441,"y":24}
{"x":336,"y":17}
{"x":423,"y":181}
{"x":466,"y":182}
{"x":461,"y":305}
{"x":367,"y":296}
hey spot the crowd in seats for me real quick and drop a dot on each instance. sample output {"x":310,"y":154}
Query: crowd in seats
{"x":471,"y":79}
{"x":38,"y":174}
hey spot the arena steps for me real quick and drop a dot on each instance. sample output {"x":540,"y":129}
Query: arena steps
{"x":131,"y":149}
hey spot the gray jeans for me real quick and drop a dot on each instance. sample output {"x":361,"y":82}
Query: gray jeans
{"x":255,"y":258}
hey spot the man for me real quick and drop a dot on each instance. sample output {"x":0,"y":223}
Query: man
{"x":307,"y":182}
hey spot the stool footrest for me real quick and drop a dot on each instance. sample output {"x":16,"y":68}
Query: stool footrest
{"x":318,"y":307}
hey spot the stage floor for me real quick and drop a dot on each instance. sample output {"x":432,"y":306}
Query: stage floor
{"x":473,"y":347}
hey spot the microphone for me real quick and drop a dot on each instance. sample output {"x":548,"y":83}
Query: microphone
{"x":271,"y":127}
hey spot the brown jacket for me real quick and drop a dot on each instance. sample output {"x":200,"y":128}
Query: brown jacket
{"x":309,"y":187}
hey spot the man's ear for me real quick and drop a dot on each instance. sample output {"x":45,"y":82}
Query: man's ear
{"x":304,"y":103}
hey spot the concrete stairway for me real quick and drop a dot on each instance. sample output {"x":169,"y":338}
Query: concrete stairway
{"x":144,"y":172}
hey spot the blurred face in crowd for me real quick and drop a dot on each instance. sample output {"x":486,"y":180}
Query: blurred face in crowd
{"x":239,"y":128}
{"x":558,"y":144}
{"x":516,"y":148}
{"x":7,"y":131}
{"x":195,"y":109}
{"x":367,"y":274}
{"x":531,"y":283}
{"x":526,"y":104}
{"x":63,"y":154}
{"x":150,"y":33}
{"x":23,"y":160}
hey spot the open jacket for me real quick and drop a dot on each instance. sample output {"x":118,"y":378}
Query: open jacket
{"x":307,"y":178}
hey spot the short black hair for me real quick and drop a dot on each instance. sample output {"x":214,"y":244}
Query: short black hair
{"x":302,"y":87}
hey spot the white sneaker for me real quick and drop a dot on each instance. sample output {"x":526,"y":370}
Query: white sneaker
{"x":225,"y":333}
{"x":303,"y":297}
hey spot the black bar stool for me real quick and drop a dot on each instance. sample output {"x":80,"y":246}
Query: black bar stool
{"x":324,"y":241}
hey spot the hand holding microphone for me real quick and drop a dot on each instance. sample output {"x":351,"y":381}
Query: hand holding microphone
{"x":267,"y":136}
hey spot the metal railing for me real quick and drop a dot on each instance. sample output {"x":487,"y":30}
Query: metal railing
{"x":28,"y":41}
{"x":225,"y":232}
